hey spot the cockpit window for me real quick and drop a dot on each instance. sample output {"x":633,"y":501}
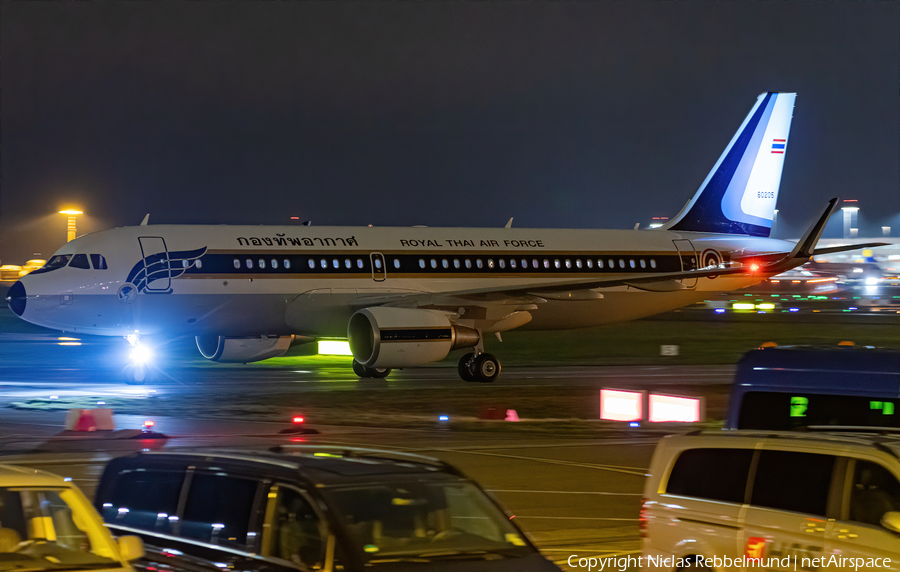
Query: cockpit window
{"x":80,"y":261}
{"x":98,"y":261}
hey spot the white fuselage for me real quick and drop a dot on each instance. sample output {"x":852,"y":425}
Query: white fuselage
{"x":281,"y":280}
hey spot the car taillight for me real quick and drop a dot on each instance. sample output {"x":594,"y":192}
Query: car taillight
{"x":642,"y":518}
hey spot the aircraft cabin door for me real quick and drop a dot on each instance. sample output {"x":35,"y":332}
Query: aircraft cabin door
{"x":379,"y":269}
{"x":157,"y":272}
{"x":688,"y":259}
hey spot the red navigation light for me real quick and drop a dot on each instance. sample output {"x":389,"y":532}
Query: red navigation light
{"x":149,"y":423}
{"x":754,"y":267}
{"x":298,"y":419}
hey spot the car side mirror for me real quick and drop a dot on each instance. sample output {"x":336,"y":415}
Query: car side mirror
{"x":891,"y":521}
{"x":132,"y":547}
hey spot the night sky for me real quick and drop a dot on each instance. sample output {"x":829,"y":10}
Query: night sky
{"x":560,"y":114}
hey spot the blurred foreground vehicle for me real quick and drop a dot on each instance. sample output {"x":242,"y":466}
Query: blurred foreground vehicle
{"x":46,"y":523}
{"x":773,"y":500}
{"x":310,"y":508}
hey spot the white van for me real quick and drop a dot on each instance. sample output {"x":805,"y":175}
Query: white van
{"x":46,"y":523}
{"x":773,"y":500}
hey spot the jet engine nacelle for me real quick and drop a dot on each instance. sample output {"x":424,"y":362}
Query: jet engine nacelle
{"x":242,"y":350}
{"x":402,"y":337}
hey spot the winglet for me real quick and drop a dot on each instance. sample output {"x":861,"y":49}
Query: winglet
{"x":806,"y":245}
{"x":146,"y":219}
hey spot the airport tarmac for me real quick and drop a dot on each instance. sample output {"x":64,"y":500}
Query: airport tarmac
{"x":574,"y":492}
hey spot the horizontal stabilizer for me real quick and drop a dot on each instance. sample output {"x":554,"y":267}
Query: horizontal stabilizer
{"x":848,"y":247}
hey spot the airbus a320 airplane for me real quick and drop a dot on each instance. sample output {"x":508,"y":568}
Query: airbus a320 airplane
{"x":406,"y":297}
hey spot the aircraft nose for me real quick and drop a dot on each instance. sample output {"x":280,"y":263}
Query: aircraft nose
{"x":15,"y":298}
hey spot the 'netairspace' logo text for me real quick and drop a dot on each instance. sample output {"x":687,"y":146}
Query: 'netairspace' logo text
{"x":622,"y":563}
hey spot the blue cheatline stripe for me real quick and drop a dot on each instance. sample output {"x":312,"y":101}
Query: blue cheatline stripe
{"x":706,"y":213}
{"x":778,"y":145}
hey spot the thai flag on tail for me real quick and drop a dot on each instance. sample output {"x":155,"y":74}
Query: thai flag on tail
{"x":778,"y":145}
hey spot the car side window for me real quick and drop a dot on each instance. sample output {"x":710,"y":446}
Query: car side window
{"x":716,"y":474}
{"x":297,"y":533}
{"x":144,"y":499}
{"x":875,"y":491}
{"x":218,"y":510}
{"x":793,"y":481}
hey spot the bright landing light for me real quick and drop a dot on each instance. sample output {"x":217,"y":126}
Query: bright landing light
{"x":141,"y":354}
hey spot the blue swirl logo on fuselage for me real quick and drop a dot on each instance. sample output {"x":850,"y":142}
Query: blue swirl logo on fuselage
{"x":162,"y":266}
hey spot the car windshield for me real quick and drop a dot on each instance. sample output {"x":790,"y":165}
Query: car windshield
{"x":426,"y":521}
{"x":50,"y":529}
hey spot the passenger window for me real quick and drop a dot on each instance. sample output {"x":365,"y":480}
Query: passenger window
{"x":502,"y":263}
{"x":512,"y":262}
{"x":715,"y":474}
{"x":643,"y":263}
{"x":421,"y":263}
{"x":144,"y":499}
{"x":875,"y":492}
{"x":184,"y":263}
{"x":590,"y":263}
{"x":396,"y":263}
{"x":444,"y":263}
{"x":287,"y":263}
{"x":237,"y":263}
{"x":275,"y":263}
{"x":612,"y":263}
{"x":468,"y":263}
{"x":298,"y":535}
{"x":793,"y":481}
{"x":208,"y":519}
{"x":556,"y":263}
{"x":336,"y":263}
{"x":99,"y":262}
{"x":621,"y":263}
{"x":478,"y":263}
{"x":652,"y":263}
{"x":312,"y":263}
{"x":433,"y":263}
{"x":490,"y":262}
{"x":455,"y":263}
{"x":578,"y":263}
{"x":80,"y":261}
{"x":249,"y":263}
{"x":631,"y":263}
{"x":377,"y":264}
{"x":197,"y":263}
{"x":348,"y":264}
{"x":262,"y":263}
{"x":359,"y":263}
{"x":546,"y":263}
{"x":534,"y":262}
{"x":599,"y":263}
{"x":323,"y":263}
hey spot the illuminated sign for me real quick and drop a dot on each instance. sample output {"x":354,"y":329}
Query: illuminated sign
{"x":334,"y":348}
{"x":670,"y":408}
{"x":618,"y":405}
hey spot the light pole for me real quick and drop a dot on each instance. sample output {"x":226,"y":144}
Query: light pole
{"x":70,"y":227}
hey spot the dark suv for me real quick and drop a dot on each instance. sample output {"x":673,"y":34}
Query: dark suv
{"x":310,"y":508}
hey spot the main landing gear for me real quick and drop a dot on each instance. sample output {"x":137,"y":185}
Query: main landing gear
{"x":369,"y":372}
{"x":481,"y":367}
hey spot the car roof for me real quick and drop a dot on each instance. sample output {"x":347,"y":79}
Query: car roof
{"x":16,"y":476}
{"x":859,"y":437}
{"x":319,"y":465}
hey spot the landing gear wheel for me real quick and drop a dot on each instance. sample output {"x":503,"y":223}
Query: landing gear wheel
{"x":465,"y":367}
{"x":485,"y":368}
{"x":369,"y":372}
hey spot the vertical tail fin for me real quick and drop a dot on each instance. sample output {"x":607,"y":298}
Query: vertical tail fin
{"x":739,"y":194}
